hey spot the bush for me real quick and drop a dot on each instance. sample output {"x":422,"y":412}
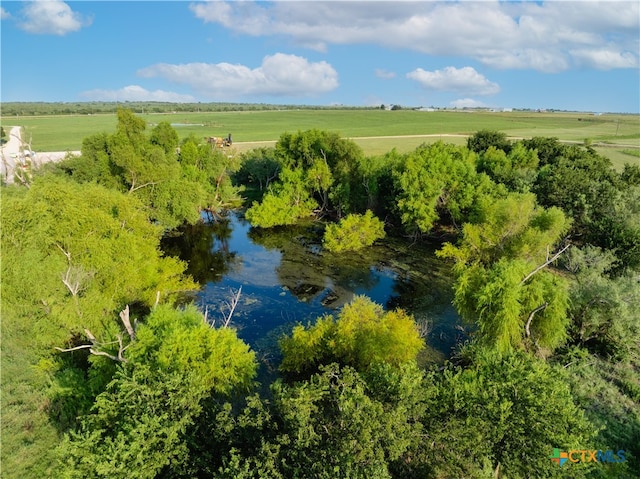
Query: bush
{"x":353,"y":232}
{"x":363,"y":335}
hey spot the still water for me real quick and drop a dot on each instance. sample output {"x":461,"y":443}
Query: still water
{"x":287,"y":278}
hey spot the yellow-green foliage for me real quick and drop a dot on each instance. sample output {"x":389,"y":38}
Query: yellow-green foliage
{"x":353,"y":232}
{"x":362,"y":335}
{"x":508,"y":240}
{"x":172,"y":340}
{"x":101,"y":243}
{"x":284,"y":204}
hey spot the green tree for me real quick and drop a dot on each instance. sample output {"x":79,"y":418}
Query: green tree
{"x":517,"y":169}
{"x":174,"y":184}
{"x":73,"y":255}
{"x":316,"y":169}
{"x":93,"y":247}
{"x":286,"y":203}
{"x":137,"y":428}
{"x":601,"y":202}
{"x":618,"y":229}
{"x":177,"y":341}
{"x":482,"y":140}
{"x":142,"y":425}
{"x":603,"y":309}
{"x":501,"y":417}
{"x":258,"y":166}
{"x":353,"y":232}
{"x":435,"y":179}
{"x":336,"y":424}
{"x":164,"y":136}
{"x":362,"y":335}
{"x":500,"y":282}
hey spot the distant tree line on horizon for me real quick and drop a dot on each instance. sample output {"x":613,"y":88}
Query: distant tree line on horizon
{"x":38,"y":108}
{"x":93,"y":108}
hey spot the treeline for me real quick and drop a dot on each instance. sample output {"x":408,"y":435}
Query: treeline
{"x":146,"y":107}
{"x":104,"y":376}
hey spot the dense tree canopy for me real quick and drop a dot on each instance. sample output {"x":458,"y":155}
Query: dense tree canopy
{"x":500,"y":285}
{"x":315,"y":174}
{"x":141,"y":387}
{"x":174,"y":184}
{"x":501,"y":417}
{"x":437,"y":179}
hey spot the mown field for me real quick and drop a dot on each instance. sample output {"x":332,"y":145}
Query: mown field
{"x":371,"y":129}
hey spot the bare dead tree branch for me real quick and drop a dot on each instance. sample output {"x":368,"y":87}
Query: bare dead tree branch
{"x":231,"y":306}
{"x":135,"y":188}
{"x":74,"y":276}
{"x":124,"y":316}
{"x":67,"y":350}
{"x":527,"y":327}
{"x":96,"y":347}
{"x":546,"y":263}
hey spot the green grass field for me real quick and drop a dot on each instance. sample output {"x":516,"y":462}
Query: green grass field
{"x":62,"y":133}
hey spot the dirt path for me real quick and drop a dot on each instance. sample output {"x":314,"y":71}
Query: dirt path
{"x":16,"y":154}
{"x":11,"y":153}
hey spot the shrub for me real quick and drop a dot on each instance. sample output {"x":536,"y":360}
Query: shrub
{"x":362,"y":335}
{"x":353,"y":232}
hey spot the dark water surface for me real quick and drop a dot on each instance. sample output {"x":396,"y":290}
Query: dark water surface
{"x":286,"y":278}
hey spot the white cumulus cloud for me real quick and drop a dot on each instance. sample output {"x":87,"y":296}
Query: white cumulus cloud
{"x":51,"y":17}
{"x":605,"y":59}
{"x":278,"y":75}
{"x":4,"y":14}
{"x":136,"y":93}
{"x":548,"y":36}
{"x":462,"y":80}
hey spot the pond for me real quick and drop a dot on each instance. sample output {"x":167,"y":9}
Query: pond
{"x":287,"y":278}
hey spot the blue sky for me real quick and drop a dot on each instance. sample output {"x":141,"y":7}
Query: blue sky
{"x":571,"y":55}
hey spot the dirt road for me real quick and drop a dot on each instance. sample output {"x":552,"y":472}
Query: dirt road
{"x":16,"y":154}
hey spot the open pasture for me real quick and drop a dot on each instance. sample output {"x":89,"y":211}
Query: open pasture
{"x":374,"y":130}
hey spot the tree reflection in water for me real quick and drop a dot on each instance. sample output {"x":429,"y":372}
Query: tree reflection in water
{"x":287,"y":277}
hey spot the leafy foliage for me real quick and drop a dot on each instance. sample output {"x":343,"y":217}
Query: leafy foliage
{"x":316,"y":168}
{"x":332,"y":425}
{"x":258,"y":166}
{"x":72,"y":256}
{"x":285,"y":204}
{"x":517,"y":169}
{"x":603,"y":309}
{"x":75,"y":235}
{"x":144,"y":418}
{"x":490,"y":413}
{"x":483,"y":140}
{"x":353,"y":232}
{"x":352,"y":401}
{"x":137,"y":428}
{"x":177,"y":341}
{"x":173,"y":186}
{"x":498,"y":285}
{"x":609,"y":393}
{"x":362,"y":335}
{"x":438,"y":178}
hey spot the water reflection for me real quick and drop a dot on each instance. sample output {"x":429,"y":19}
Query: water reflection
{"x":286,"y":278}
